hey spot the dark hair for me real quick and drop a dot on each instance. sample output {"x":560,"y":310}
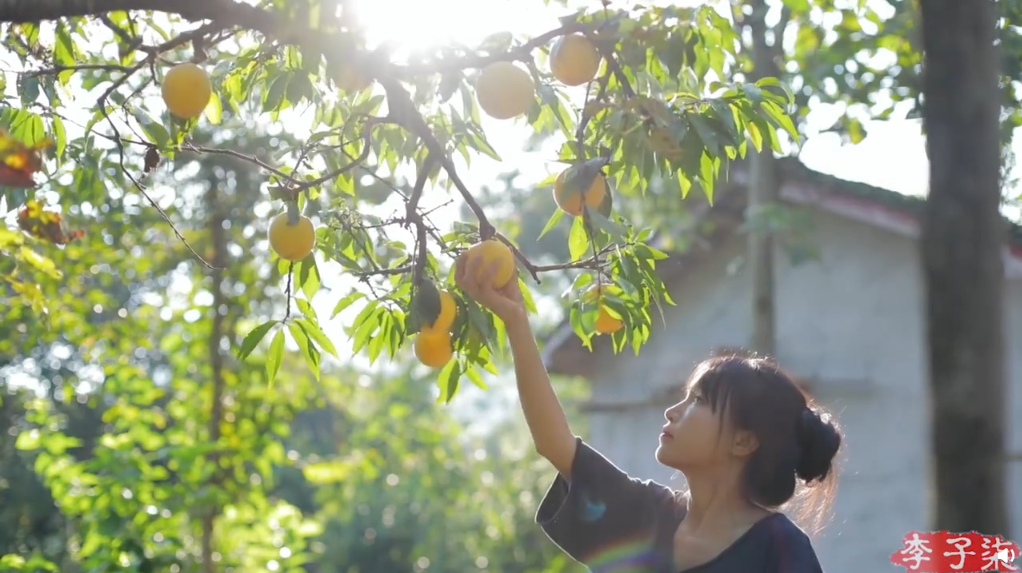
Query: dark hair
{"x":798,"y":441}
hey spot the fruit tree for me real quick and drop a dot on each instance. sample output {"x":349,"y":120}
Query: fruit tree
{"x":645,"y":98}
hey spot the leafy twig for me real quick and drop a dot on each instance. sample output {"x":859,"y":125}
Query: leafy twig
{"x":52,"y":71}
{"x":367,"y":145}
{"x":102,"y":103}
{"x":612,"y":65}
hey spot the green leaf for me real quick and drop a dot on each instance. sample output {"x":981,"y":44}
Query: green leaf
{"x":308,"y":349}
{"x":28,"y":87}
{"x":600,"y":221}
{"x":28,"y":128}
{"x":476,"y":378}
{"x":157,"y":133}
{"x":40,"y":262}
{"x":753,"y":92}
{"x":214,"y":111}
{"x":253,"y":338}
{"x":275,"y":356}
{"x":448,"y":380}
{"x":552,"y":222}
{"x":578,"y":239}
{"x":316,"y":333}
{"x":426,"y":303}
{"x":59,"y":136}
{"x":781,"y":119}
{"x":755,"y":136}
{"x":29,"y":440}
{"x":346,"y":302}
{"x":64,"y":53}
{"x":274,"y":95}
{"x":309,"y":279}
{"x":774,"y":82}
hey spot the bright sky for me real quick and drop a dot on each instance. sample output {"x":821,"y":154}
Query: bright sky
{"x":892,"y":156}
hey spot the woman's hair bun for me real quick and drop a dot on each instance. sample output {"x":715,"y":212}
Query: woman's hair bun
{"x":819,"y":441}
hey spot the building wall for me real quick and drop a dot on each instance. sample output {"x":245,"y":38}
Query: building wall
{"x":853,"y":322}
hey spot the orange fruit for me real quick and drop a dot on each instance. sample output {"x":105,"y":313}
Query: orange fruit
{"x":292,"y":242}
{"x":448,"y":312}
{"x":186,"y":90}
{"x":574,"y":60}
{"x":607,"y":324}
{"x":433,"y":348}
{"x":505,"y":90}
{"x":570,"y":200}
{"x":493,"y":250}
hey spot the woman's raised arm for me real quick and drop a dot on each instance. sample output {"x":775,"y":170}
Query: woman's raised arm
{"x":543,"y":413}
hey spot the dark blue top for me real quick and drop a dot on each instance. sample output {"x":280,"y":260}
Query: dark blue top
{"x":609,"y":521}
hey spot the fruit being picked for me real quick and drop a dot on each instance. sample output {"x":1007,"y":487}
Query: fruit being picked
{"x":570,"y":197}
{"x":574,"y":60}
{"x":292,"y":242}
{"x":505,"y":90}
{"x":492,"y":251}
{"x":433,"y":347}
{"x":186,"y":90}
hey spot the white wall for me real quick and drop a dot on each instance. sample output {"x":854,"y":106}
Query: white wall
{"x":854,"y":321}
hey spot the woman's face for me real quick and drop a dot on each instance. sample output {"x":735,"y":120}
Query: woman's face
{"x":693,"y":435}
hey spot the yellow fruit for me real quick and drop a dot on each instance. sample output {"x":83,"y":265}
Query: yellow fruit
{"x":570,"y":201}
{"x":489,"y":251}
{"x":351,"y":81}
{"x":574,"y":60}
{"x":664,"y":144}
{"x":433,"y":348}
{"x":292,"y":242}
{"x":607,"y":324}
{"x":186,"y":90}
{"x":505,"y":90}
{"x":448,"y":312}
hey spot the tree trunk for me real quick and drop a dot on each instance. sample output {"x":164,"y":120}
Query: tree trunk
{"x":962,"y":241}
{"x":216,"y":360}
{"x":763,"y":192}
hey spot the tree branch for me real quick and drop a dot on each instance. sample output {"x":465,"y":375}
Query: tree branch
{"x":216,"y":363}
{"x":367,"y":146}
{"x":409,"y":117}
{"x":223,"y":14}
{"x":522,"y":52}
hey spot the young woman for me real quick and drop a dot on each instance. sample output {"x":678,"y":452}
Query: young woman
{"x":743,"y":435}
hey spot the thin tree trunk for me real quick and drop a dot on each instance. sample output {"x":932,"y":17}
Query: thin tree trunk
{"x":962,"y":241}
{"x":216,"y":361}
{"x":763,"y":192}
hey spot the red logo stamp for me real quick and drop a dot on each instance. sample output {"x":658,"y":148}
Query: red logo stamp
{"x":945,"y":552}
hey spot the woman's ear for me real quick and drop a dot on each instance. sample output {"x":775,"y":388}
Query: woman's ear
{"x":744,"y":444}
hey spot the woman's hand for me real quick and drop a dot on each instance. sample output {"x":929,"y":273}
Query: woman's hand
{"x":477,"y":282}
